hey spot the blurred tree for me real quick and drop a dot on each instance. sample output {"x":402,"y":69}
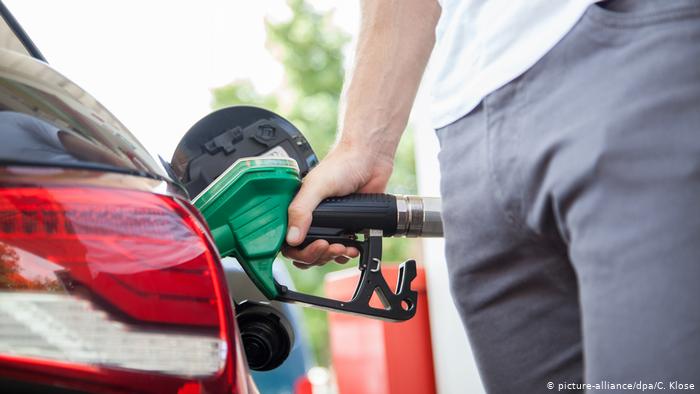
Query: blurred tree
{"x":310,"y":48}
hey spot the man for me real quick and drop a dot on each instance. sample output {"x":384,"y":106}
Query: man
{"x":570,"y":159}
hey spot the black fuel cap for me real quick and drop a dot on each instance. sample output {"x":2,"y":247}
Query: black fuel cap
{"x":266,"y":333}
{"x":216,"y":141}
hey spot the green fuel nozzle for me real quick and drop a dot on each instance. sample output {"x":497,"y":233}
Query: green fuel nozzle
{"x":245,"y":205}
{"x":246,"y":210}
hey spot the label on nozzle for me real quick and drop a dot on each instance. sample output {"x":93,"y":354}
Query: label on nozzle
{"x":277,"y":151}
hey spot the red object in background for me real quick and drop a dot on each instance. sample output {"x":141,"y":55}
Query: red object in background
{"x":375,"y":356}
{"x":303,"y":386}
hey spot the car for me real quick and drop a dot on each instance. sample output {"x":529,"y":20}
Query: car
{"x":109,"y":279}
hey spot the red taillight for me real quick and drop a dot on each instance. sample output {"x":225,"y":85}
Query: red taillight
{"x":113,"y":287}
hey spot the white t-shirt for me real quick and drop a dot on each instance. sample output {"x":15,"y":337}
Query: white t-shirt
{"x":484,"y":44}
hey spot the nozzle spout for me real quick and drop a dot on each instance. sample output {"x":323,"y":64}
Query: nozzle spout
{"x":418,"y":216}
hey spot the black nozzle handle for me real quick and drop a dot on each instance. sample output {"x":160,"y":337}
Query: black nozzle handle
{"x":395,"y":215}
{"x":357,"y":212}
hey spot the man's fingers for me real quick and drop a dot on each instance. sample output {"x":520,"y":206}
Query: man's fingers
{"x":318,"y":253}
{"x":351,"y":252}
{"x":301,"y":265}
{"x":333,"y":251}
{"x":341,"y":259}
{"x":293,"y":254}
{"x":309,"y":254}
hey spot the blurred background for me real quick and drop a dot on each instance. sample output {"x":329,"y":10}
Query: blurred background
{"x":159,"y":66}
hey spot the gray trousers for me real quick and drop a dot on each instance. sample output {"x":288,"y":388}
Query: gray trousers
{"x":572,"y":209}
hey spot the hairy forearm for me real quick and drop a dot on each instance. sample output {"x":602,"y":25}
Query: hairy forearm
{"x":395,"y":41}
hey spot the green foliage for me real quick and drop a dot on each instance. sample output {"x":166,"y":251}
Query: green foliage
{"x":310,"y":48}
{"x":241,"y":92}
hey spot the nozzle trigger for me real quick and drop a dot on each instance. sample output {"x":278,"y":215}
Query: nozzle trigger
{"x":398,"y":306}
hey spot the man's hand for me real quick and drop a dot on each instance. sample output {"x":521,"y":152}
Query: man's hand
{"x":345,"y":170}
{"x":396,"y":38}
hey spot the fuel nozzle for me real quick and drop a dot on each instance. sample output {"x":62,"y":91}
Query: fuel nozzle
{"x":244,"y":165}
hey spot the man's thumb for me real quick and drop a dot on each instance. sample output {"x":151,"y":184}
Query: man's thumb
{"x":300,"y":212}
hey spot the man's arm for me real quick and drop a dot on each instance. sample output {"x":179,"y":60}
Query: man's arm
{"x":396,"y":38}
